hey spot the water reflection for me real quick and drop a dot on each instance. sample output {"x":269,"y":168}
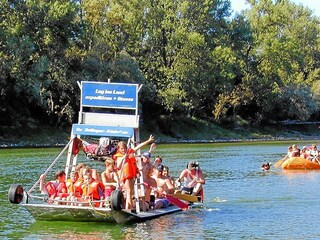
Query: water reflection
{"x":73,"y":230}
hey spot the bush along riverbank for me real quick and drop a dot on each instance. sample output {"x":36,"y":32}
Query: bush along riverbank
{"x":179,"y":132}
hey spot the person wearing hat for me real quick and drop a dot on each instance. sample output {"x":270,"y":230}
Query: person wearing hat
{"x":192,"y":178}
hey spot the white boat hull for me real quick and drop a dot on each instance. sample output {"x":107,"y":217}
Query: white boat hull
{"x":47,"y":212}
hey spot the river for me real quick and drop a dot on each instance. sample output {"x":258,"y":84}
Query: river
{"x":241,"y":200}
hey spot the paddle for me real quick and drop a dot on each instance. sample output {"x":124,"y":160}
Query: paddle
{"x":277,"y":164}
{"x":185,"y":197}
{"x":177,"y":202}
{"x":171,"y":198}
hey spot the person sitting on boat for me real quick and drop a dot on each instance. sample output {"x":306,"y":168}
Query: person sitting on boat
{"x":289,"y":153}
{"x":93,"y":172}
{"x":109,"y":177}
{"x":156,"y":162}
{"x":164,"y":187}
{"x":77,"y":185}
{"x":304,"y":153}
{"x":56,"y":189}
{"x":127,"y":167}
{"x":165,"y":173}
{"x":149,"y":182}
{"x":81,"y":169}
{"x":192,"y":178}
{"x":92,"y":190}
{"x":71,"y":181}
{"x":74,"y":187}
{"x":295,"y":151}
{"x":314,"y":153}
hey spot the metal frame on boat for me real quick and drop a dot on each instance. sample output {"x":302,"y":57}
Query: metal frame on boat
{"x":113,"y":113}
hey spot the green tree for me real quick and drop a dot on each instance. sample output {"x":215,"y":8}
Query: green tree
{"x":284,"y":50}
{"x":179,"y":37}
{"x":36,"y":35}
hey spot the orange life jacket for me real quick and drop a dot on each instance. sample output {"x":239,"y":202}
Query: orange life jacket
{"x":130,"y":169}
{"x":94,"y":191}
{"x":76,"y":146}
{"x":77,"y":188}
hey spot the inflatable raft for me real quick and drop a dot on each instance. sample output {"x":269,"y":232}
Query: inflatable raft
{"x":299,"y":163}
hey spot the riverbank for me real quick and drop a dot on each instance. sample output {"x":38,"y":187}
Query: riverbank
{"x":190,"y":132}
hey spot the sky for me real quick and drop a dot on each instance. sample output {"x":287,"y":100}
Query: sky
{"x":314,"y":5}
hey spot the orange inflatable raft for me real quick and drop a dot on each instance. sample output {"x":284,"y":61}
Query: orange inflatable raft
{"x":299,"y":163}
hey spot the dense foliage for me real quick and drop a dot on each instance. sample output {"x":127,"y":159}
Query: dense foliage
{"x":194,"y":58}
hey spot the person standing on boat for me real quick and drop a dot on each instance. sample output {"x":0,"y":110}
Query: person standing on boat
{"x":127,"y":167}
{"x":192,"y":178}
{"x":109,"y":177}
{"x":148,"y":181}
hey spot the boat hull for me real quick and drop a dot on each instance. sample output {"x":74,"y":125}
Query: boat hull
{"x":298,"y":163}
{"x":47,"y":212}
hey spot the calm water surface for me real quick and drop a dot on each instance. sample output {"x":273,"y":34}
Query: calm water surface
{"x":241,"y":201}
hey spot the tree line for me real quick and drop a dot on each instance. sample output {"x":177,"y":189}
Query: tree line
{"x":195,"y":58}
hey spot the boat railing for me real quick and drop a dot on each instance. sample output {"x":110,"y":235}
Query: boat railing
{"x":52,"y":164}
{"x":44,"y":198}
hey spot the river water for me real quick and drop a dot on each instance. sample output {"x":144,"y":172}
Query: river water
{"x":241,"y":201}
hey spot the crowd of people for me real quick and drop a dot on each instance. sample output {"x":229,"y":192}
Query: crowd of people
{"x":85,"y":186}
{"x":308,"y":152}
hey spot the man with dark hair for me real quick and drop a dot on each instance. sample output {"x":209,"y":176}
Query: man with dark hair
{"x":192,"y":178}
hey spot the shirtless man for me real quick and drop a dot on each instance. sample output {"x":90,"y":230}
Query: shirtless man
{"x":109,"y":177}
{"x":164,"y":187}
{"x":149,"y":182}
{"x":193,"y":179}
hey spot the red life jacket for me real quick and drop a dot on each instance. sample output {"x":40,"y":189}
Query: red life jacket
{"x":77,"y":190}
{"x":56,"y":191}
{"x":130,"y":168}
{"x":94,"y":191}
{"x":77,"y":145}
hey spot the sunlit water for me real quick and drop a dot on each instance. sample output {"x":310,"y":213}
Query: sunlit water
{"x":241,"y":201}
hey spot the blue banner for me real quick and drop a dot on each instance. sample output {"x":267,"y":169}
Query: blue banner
{"x":109,"y":95}
{"x":102,"y":131}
